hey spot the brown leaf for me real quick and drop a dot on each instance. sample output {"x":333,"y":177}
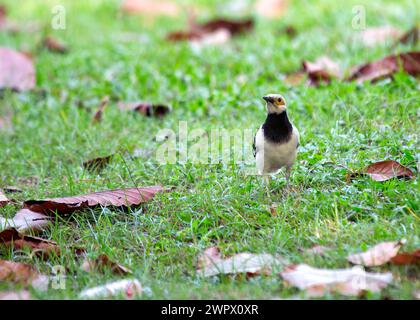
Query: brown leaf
{"x":98,"y":114}
{"x":12,"y":238}
{"x":373,"y":36}
{"x":271,"y":8}
{"x":97,"y":164}
{"x":26,"y":220}
{"x":409,"y":62}
{"x":15,"y":295}
{"x":322,"y":70}
{"x":150,"y":7}
{"x":129,"y":287}
{"x":377,"y":255}
{"x":101,"y":263}
{"x":251,"y":264}
{"x":411,"y":37}
{"x":3,"y":199}
{"x":117,"y":198}
{"x":145,"y":108}
{"x":388,"y":169}
{"x":17,"y":272}
{"x":406,"y":258}
{"x":349,"y":282}
{"x":208,"y":257}
{"x":54,"y":45}
{"x":215,"y":31}
{"x":17,"y":71}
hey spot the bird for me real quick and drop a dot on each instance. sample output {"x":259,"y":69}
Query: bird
{"x":276,"y":141}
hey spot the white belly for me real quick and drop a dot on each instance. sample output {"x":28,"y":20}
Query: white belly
{"x":271,"y":157}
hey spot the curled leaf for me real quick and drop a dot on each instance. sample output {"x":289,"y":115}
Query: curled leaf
{"x":388,"y":169}
{"x":408,"y":62}
{"x":377,"y":255}
{"x":349,"y":282}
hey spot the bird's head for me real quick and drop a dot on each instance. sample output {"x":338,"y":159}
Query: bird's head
{"x":275,"y":103}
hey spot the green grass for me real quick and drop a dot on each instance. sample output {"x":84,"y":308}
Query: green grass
{"x":127,"y":58}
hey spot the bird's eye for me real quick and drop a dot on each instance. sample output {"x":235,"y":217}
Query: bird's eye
{"x":279,"y":100}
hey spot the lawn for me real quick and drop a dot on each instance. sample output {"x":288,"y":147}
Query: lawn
{"x":126,"y":57}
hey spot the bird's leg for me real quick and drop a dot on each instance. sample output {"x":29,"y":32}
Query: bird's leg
{"x":267,"y":184}
{"x":288,"y":172}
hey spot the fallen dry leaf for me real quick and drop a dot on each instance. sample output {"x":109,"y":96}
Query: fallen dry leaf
{"x":251,"y":264}
{"x":12,"y":238}
{"x":373,"y":36}
{"x":15,"y":295}
{"x":97,"y":164}
{"x":26,"y":220}
{"x":101,"y":263}
{"x":117,"y":198}
{"x":216,"y":31}
{"x":129,"y":287}
{"x":411,"y":37}
{"x":150,"y":7}
{"x":407,"y":258}
{"x":17,"y":272}
{"x":54,"y":45}
{"x":388,"y":169}
{"x":3,"y":199}
{"x":145,"y":108}
{"x":97,"y":117}
{"x":377,"y":255}
{"x":271,"y":8}
{"x":208,"y":257}
{"x":17,"y":71}
{"x":349,"y":282}
{"x":409,"y":62}
{"x":323,"y":69}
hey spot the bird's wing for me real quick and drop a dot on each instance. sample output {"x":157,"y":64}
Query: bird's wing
{"x":254,"y":147}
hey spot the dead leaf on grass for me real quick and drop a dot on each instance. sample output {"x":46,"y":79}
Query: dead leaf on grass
{"x":130,"y":288}
{"x":117,"y":198}
{"x":26,"y":220}
{"x":101,"y":263}
{"x":349,"y":282}
{"x":97,"y":117}
{"x":408,"y":62}
{"x":377,"y":255}
{"x":407,"y":258}
{"x":12,"y":238}
{"x":388,"y":169}
{"x":21,"y":273}
{"x":17,"y":71}
{"x":145,"y":108}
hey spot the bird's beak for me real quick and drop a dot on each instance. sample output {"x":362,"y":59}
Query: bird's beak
{"x":268,"y":99}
